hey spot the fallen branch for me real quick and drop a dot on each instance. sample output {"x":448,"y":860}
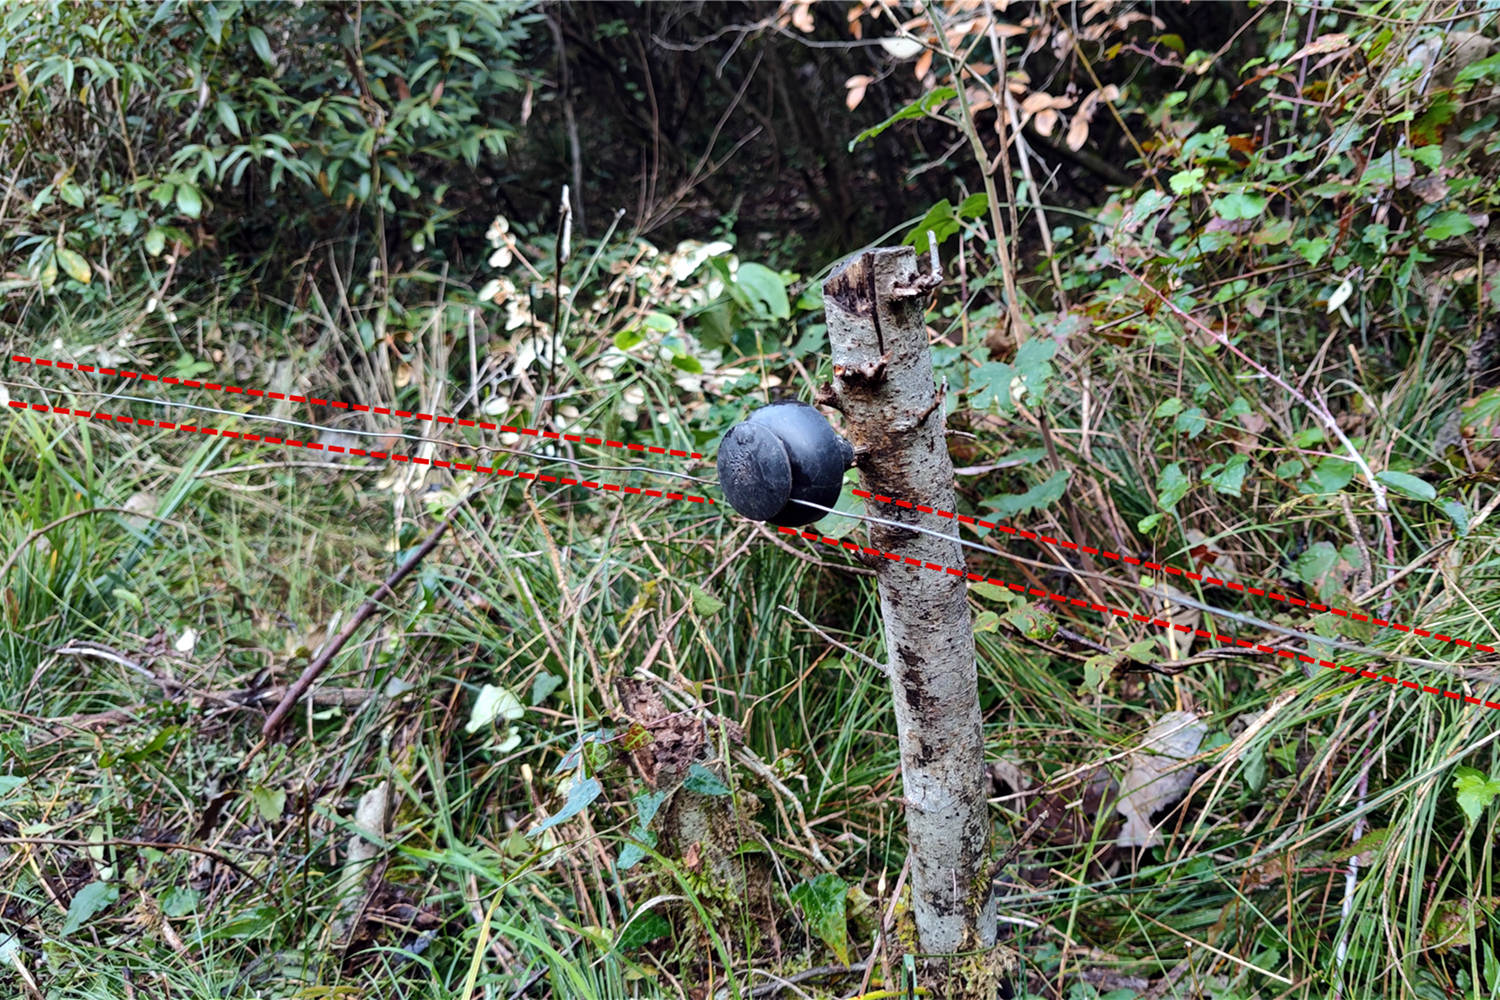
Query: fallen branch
{"x":320,"y":663}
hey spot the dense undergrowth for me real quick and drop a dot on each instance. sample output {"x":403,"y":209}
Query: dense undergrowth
{"x":1218,"y":298}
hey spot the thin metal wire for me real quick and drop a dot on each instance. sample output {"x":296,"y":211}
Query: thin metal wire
{"x":1244,"y":619}
{"x":383,"y":435}
{"x":1179,"y":598}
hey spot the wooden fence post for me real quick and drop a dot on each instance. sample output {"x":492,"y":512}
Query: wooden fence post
{"x":893,"y":415}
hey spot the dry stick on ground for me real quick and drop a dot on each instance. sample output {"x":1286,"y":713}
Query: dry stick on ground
{"x":318,"y":665}
{"x":883,"y":384}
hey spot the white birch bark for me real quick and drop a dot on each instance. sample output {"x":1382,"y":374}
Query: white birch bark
{"x":883,"y":384}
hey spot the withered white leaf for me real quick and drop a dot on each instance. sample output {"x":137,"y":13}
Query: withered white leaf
{"x":1154,"y":775}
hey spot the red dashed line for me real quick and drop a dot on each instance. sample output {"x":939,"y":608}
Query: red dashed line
{"x":1212,"y":581}
{"x":1134,"y":616}
{"x":436,"y":463}
{"x":357,"y":407}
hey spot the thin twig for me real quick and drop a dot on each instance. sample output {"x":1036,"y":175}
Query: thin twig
{"x":320,"y":663}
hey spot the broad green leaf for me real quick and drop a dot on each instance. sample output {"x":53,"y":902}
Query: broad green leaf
{"x":1329,"y":476}
{"x":1191,"y":422}
{"x":74,"y":266}
{"x":974,"y":206}
{"x":1098,"y":669}
{"x":1315,"y":563}
{"x":765,"y":288}
{"x":939,"y":221}
{"x":1187,"y":181}
{"x":1036,"y":498}
{"x":261,"y":44}
{"x":1031,"y":620}
{"x":703,"y":781}
{"x":156,"y":241}
{"x":631,"y":854}
{"x":848,"y":506}
{"x":1457,"y":513}
{"x":1169,"y":407}
{"x":1486,"y":68}
{"x":189,"y":201}
{"x":88,"y":903}
{"x":1311,"y":250}
{"x":71,"y":193}
{"x":1446,"y":225}
{"x":1407,"y":485}
{"x":641,"y":930}
{"x":646,"y":806}
{"x":824,"y":902}
{"x":661,"y":322}
{"x":543,"y":686}
{"x":990,"y":592}
{"x":179,"y":901}
{"x":225,"y":112}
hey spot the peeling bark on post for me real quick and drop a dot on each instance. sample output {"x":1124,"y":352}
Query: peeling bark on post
{"x":893,"y":415}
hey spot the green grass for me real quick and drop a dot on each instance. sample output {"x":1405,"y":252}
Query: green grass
{"x":214,"y":873}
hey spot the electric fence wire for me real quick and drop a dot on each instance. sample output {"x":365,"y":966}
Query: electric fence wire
{"x":1176,"y":598}
{"x":1155,"y":592}
{"x":380,"y":435}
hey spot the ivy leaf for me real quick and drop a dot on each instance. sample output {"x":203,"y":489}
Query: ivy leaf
{"x":703,"y":781}
{"x":1172,"y":484}
{"x":646,"y":806}
{"x":269,"y":802}
{"x":493,"y":703}
{"x":1475,"y":791}
{"x":989,"y":386}
{"x":543,"y":686}
{"x":1329,"y":476}
{"x":1228,"y":478}
{"x":1187,"y":181}
{"x":584,"y":791}
{"x":940,"y":221}
{"x":824,"y":902}
{"x":704,"y":603}
{"x":649,"y":926}
{"x":1240,"y":205}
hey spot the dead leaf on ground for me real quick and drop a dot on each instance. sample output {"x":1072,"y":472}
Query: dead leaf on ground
{"x":1154,"y":776}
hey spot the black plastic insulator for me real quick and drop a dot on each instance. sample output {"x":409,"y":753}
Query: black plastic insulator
{"x":783,"y":453}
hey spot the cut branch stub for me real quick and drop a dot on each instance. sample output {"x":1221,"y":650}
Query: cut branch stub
{"x":883,"y":384}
